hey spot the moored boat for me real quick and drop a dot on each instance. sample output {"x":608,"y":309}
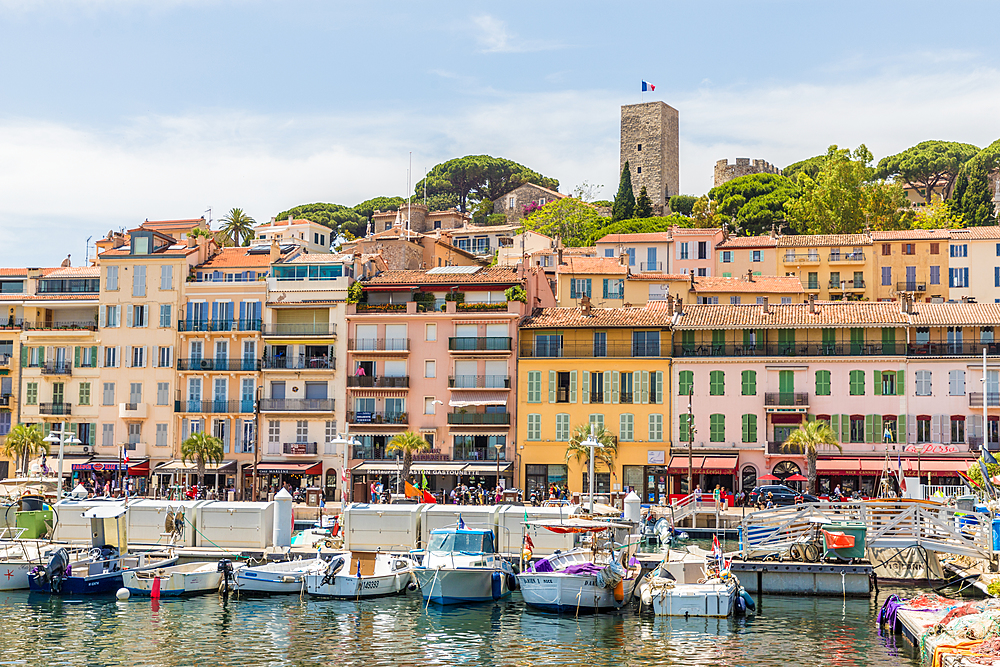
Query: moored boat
{"x":276,"y":578}
{"x":693,"y":585}
{"x":362,"y":574}
{"x":188,"y":579}
{"x":461,"y":565}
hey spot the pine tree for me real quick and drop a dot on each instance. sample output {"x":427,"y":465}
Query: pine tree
{"x":643,"y":206}
{"x":624,"y":204}
{"x":972,"y":199}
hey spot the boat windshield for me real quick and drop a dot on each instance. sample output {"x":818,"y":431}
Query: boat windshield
{"x":463,"y":542}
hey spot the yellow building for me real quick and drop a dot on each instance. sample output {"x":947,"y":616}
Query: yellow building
{"x":736,"y":255}
{"x":740,"y":290}
{"x":580,"y":366}
{"x":833,"y":267}
{"x":913,"y":261}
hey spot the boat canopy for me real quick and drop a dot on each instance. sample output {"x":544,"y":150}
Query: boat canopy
{"x":470,"y":541}
{"x":575,"y":525}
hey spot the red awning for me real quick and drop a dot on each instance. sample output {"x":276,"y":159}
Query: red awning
{"x":705,"y":465}
{"x":140,"y":469}
{"x":296,"y":468}
{"x":868,"y":467}
{"x":947,"y":465}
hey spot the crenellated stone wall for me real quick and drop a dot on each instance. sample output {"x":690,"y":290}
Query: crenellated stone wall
{"x":725,"y":172}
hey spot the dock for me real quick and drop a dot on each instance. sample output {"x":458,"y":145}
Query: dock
{"x":801,"y":578}
{"x":941,"y":630}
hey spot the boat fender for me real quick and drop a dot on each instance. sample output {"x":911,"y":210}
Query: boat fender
{"x":747,"y":599}
{"x":412,"y":586}
{"x":497,"y":582}
{"x":741,"y":605}
{"x":619,"y":591}
{"x":512,"y":584}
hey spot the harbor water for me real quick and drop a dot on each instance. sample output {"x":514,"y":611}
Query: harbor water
{"x":287,"y":630}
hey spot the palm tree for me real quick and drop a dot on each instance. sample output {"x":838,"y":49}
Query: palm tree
{"x":409,"y":443}
{"x":23,"y":443}
{"x":237,"y":228}
{"x":203,"y":449}
{"x":808,"y":439}
{"x":580,"y":452}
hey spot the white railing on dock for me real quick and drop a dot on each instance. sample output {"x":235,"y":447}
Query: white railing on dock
{"x":891,"y":524}
{"x":682,"y":508}
{"x":946,"y":491}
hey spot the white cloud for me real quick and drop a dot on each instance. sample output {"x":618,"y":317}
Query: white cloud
{"x":494,"y":37}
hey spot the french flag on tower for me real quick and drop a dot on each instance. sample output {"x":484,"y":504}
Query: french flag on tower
{"x":647,"y":87}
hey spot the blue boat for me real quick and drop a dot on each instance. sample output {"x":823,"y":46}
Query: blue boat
{"x":100,"y":569}
{"x":461,"y":565}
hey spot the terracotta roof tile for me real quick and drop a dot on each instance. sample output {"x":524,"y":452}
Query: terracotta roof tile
{"x":652,"y":237}
{"x":950,"y":314}
{"x":125,"y":251}
{"x":973,"y":233}
{"x":912,"y":235}
{"x":591,"y":265}
{"x":14,"y":273}
{"x":535,"y":185}
{"x":653,"y":314}
{"x":660,"y":276}
{"x":791,"y":316}
{"x":760,"y":285}
{"x":817,"y":240}
{"x":488,"y":275}
{"x":236,"y":258}
{"x":695,"y":231}
{"x":75,"y":272}
{"x":761,"y":241}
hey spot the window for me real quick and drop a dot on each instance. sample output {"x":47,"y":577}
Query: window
{"x":755,"y":256}
{"x":923,"y":428}
{"x":645,"y":343}
{"x":886,"y":249}
{"x":430,"y":368}
{"x":684,"y":420}
{"x":138,"y":281}
{"x":631,"y":256}
{"x":638,"y":170}
{"x":702,"y":273}
{"x":273,"y":435}
{"x":710,"y":300}
{"x":958,"y":277}
{"x":786,"y":300}
{"x":112,"y":316}
{"x":111,"y":279}
{"x":548,"y":345}
{"x":750,"y":428}
{"x":886,"y":275}
{"x":84,"y":393}
{"x":857,"y":428}
{"x":685,"y":383}
{"x":935,"y":275}
{"x":702,"y":249}
{"x":596,"y":387}
{"x":430,"y":331}
{"x":138,"y":357}
{"x":579,"y":288}
{"x":301,"y":431}
{"x":108,"y":435}
{"x":684,"y":251}
{"x":888,"y":383}
{"x":161,"y":435}
{"x":165,"y":315}
{"x":956,"y":383}
{"x":134,"y":433}
{"x":734,"y":300}
{"x":656,"y":428}
{"x":534,"y":427}
{"x":613,"y":288}
{"x":959,"y":250}
{"x":909,"y":249}
{"x":958,"y":429}
{"x":534,"y":386}
{"x":31,"y":393}
{"x":135,"y":392}
{"x":638,"y":147}
{"x":165,"y":354}
{"x":749,"y":382}
{"x":108,"y":397}
{"x":562,"y":387}
{"x":600,"y":344}
{"x":163,"y":393}
{"x":717,"y":383}
{"x":562,"y":427}
{"x":857,"y":383}
{"x":429,"y":405}
{"x":626,"y":430}
{"x":822,"y":383}
{"x":727,"y":256}
{"x":717,"y":428}
{"x":166,"y":277}
{"x":923,"y":383}
{"x":813,"y":280}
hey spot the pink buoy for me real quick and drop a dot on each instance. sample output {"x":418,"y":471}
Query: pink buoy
{"x":155,"y":593}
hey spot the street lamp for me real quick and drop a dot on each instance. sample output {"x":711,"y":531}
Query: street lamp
{"x":499,"y":449}
{"x":63,"y":438}
{"x":594,"y":445}
{"x":344,"y":440}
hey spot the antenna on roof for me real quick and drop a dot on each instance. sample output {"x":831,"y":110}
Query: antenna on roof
{"x":86,"y":254}
{"x":209,"y":211}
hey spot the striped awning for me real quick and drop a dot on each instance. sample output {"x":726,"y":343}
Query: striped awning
{"x":480,"y":432}
{"x":468,"y":399}
{"x":378,"y":393}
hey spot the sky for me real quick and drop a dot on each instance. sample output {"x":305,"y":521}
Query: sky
{"x":117,"y":111}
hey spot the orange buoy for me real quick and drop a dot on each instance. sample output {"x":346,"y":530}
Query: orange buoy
{"x":620,"y":591}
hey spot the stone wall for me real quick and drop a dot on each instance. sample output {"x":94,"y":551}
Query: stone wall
{"x":650,"y":144}
{"x":523,"y":195}
{"x":725,"y":172}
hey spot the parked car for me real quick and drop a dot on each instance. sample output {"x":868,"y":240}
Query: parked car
{"x":779,"y":495}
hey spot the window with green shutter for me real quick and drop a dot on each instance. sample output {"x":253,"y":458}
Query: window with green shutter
{"x":822,"y":383}
{"x":829,"y":341}
{"x":84,"y":393}
{"x":752,"y":338}
{"x":31,"y":393}
{"x":534,"y":386}
{"x":562,"y":427}
{"x":687,"y":341}
{"x":534,"y":427}
{"x":718,"y":341}
{"x":685,"y":432}
{"x":888,"y":340}
{"x":597,"y":421}
{"x":857,"y":383}
{"x":717,"y":428}
{"x":626,"y":427}
{"x":749,"y":428}
{"x":786,"y":341}
{"x":749,"y":383}
{"x":857,"y":340}
{"x":685,"y":383}
{"x":717,"y":383}
{"x":656,"y":428}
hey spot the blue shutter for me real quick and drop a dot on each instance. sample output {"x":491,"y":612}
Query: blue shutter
{"x":188,"y":314}
{"x":996,"y":276}
{"x":215,"y":311}
{"x":243,"y":315}
{"x":965,"y":277}
{"x":605,"y":288}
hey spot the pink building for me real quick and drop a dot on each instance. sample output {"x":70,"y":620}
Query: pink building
{"x":694,"y":250}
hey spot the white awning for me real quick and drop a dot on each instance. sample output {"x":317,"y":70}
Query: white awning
{"x":472,"y":398}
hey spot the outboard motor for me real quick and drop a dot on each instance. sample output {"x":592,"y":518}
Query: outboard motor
{"x":55,"y":570}
{"x":225,"y":566}
{"x":331,"y":570}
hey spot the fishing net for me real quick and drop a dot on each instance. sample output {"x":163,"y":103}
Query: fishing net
{"x":930,"y":602}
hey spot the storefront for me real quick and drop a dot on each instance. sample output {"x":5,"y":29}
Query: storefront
{"x":177,"y":473}
{"x":96,"y":473}
{"x":273,"y":476}
{"x":442,"y":476}
{"x":539,"y":477}
{"x":863,"y":474}
{"x":708,"y":472}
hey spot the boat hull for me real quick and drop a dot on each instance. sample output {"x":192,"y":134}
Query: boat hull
{"x":91,"y":584}
{"x":14,"y":576}
{"x":349,"y":587}
{"x":279,"y":581}
{"x":173,"y":584}
{"x":713,"y":600}
{"x":459,"y":585}
{"x":558,"y":592}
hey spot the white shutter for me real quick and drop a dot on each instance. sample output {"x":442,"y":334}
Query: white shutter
{"x":128,"y":357}
{"x":100,"y":357}
{"x":644,"y":386}
{"x":144,"y":361}
{"x":128,"y":316}
{"x":911,"y":428}
{"x":607,"y":386}
{"x":170,"y":356}
{"x":659,"y":386}
{"x":572,"y":386}
{"x":677,"y":250}
{"x":614,"y":386}
{"x":552,"y":386}
{"x":103,"y":310}
{"x":936,"y":428}
{"x":145,"y":315}
{"x":118,"y":356}
{"x":586,"y":386}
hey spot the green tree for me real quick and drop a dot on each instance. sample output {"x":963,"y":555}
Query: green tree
{"x":572,"y":220}
{"x":624,"y":205}
{"x":810,"y":166}
{"x":972,"y":199}
{"x":682,"y":204}
{"x":579,"y":452}
{"x":407,"y":444}
{"x":705,"y":214}
{"x":643,"y":207}
{"x":337,"y":217}
{"x":924,"y":165}
{"x":808,"y":439}
{"x":237,"y":228}
{"x":640,"y":226}
{"x":22,"y":444}
{"x":473,"y":178}
{"x":936,"y":216}
{"x":202,"y":449}
{"x":755,"y":202}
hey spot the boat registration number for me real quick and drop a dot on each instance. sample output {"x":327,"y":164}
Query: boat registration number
{"x":533,"y":580}
{"x":369,"y":584}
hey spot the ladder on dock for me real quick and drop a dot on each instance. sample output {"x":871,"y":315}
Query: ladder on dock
{"x":689,"y":507}
{"x":892,"y":524}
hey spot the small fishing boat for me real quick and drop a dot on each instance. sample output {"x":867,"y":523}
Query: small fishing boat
{"x":284,"y":577}
{"x":19,"y":557}
{"x":686,"y":584}
{"x":461,"y":565}
{"x":589,"y":579}
{"x":99,"y":570}
{"x":362,"y":574}
{"x":187,"y":579}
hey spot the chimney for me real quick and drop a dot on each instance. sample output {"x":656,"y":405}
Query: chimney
{"x":812,"y":304}
{"x":679,"y":306}
{"x":623,"y":259}
{"x":906,"y":305}
{"x":585,"y":305}
{"x":692,"y":278}
{"x":670,"y":301}
{"x":275,"y":254}
{"x":749,"y":275}
{"x":560,"y":252}
{"x":763,"y":306}
{"x":290,"y":218}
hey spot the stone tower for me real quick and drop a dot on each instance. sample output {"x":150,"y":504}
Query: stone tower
{"x":649,"y":137}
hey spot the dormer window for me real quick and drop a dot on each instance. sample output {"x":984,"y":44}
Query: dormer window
{"x":142,"y":244}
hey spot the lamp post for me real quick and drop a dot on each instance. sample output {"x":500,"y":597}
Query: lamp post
{"x":594,"y":445}
{"x":63,"y":438}
{"x":344,"y":440}
{"x":499,"y":449}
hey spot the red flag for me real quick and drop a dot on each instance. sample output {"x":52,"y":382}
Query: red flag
{"x":428,"y":498}
{"x":716,"y":548}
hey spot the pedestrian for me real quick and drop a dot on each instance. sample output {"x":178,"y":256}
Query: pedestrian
{"x":697,"y":496}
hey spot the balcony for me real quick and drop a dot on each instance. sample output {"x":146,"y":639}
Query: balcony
{"x":218,"y":365}
{"x":591,"y":351}
{"x":786,"y":400}
{"x":296,"y":405}
{"x":847,"y":257}
{"x":214,"y":407}
{"x":801,"y":258}
{"x":383,"y":382}
{"x":953,"y":349}
{"x":812,"y":286}
{"x":299,"y":448}
{"x":470,"y":453}
{"x":774,"y":447}
{"x":655,"y":267}
{"x":791,"y":350}
{"x":55,"y":326}
{"x":4,"y":360}
{"x":911,"y":286}
{"x":976,"y":399}
{"x":300,"y":362}
{"x":846,"y":285}
{"x":976,"y":444}
{"x":479,"y":382}
{"x":385,"y":418}
{"x":54,"y":409}
{"x":479,"y":418}
{"x":310,"y":329}
{"x":378,"y":344}
{"x":218,"y":325}
{"x":57,"y":368}
{"x":5,"y":400}
{"x":480,"y":344}
{"x":131,"y":410}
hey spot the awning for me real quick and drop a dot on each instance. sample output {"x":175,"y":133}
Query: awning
{"x":483,"y":432}
{"x":378,"y":393}
{"x":190,"y":466}
{"x":487,"y":468}
{"x":468,"y":399}
{"x":705,"y":465}
{"x":850,"y":466}
{"x":424,"y":468}
{"x":295,"y":468}
{"x":138,"y":468}
{"x":946,"y":465}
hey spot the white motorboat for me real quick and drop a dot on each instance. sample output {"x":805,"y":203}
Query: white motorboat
{"x":362,"y":574}
{"x":690,"y":585}
{"x":582,"y":579}
{"x":19,"y":557}
{"x":284,"y":577}
{"x":188,"y":579}
{"x":461,"y":565}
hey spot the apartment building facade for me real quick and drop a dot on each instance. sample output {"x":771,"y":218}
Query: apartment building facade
{"x":913,"y":261}
{"x":834,"y":267}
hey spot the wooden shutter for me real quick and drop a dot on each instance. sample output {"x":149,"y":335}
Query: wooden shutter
{"x":607,"y":386}
{"x":552,"y":386}
{"x":901,"y":383}
{"x":614,"y":386}
{"x":877,"y":378}
{"x":659,"y":387}
{"x":586,"y":387}
{"x":572,"y":386}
